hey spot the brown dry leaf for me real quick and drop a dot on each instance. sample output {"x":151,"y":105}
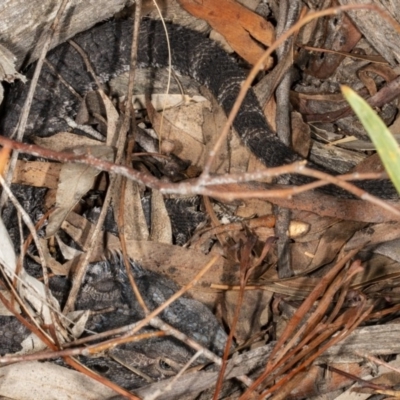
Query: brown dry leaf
{"x":37,"y":173}
{"x":321,"y":244}
{"x":64,"y":141}
{"x":161,"y":230}
{"x":75,"y":181}
{"x":237,"y":24}
{"x":185,"y":146}
{"x":384,"y":71}
{"x":320,"y":107}
{"x":233,"y":156}
{"x":51,"y":262}
{"x":316,"y":381}
{"x":387,"y":374}
{"x":194,"y":128}
{"x":166,"y":102}
{"x":331,"y":242}
{"x":380,"y":270}
{"x":252,"y":207}
{"x":374,"y":234}
{"x":98,"y":108}
{"x":389,"y":249}
{"x":135,"y":226}
{"x":188,"y":117}
{"x":395,"y":127}
{"x":262,"y":227}
{"x":301,"y":135}
{"x":298,"y":287}
{"x":254,"y":312}
{"x":112,"y":119}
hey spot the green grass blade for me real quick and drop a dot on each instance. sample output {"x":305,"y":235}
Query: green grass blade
{"x":385,"y":144}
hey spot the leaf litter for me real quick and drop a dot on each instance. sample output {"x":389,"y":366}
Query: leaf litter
{"x":331,"y":293}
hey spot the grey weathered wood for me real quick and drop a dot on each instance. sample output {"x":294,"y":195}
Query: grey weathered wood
{"x":382,"y":36}
{"x":374,"y":340}
{"x":23,"y":24}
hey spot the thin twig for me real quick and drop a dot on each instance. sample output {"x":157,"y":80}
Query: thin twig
{"x":170,"y":385}
{"x":128,"y":108}
{"x":377,"y":361}
{"x":204,"y":185}
{"x":80,"y":351}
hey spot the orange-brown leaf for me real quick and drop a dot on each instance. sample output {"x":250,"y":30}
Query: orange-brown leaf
{"x":236,"y":23}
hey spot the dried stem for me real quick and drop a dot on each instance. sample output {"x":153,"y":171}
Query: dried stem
{"x":210,"y":186}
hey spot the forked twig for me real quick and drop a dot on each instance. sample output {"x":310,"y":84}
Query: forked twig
{"x":209,"y":185}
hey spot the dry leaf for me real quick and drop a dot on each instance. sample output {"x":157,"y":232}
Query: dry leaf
{"x":331,"y":242}
{"x":3,"y":309}
{"x":185,"y":146}
{"x":135,"y":226}
{"x":237,"y":24}
{"x":233,"y":156}
{"x":373,"y":235}
{"x":35,"y":380}
{"x":189,"y":118}
{"x":8,"y":72}
{"x":323,"y":205}
{"x":161,"y":230}
{"x":67,"y":252}
{"x":75,"y":181}
{"x":254,"y":312}
{"x":64,"y":141}
{"x":37,"y":173}
{"x":301,"y":135}
{"x":28,"y":287}
{"x":51,"y":262}
{"x":161,"y":101}
{"x":112,"y":119}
